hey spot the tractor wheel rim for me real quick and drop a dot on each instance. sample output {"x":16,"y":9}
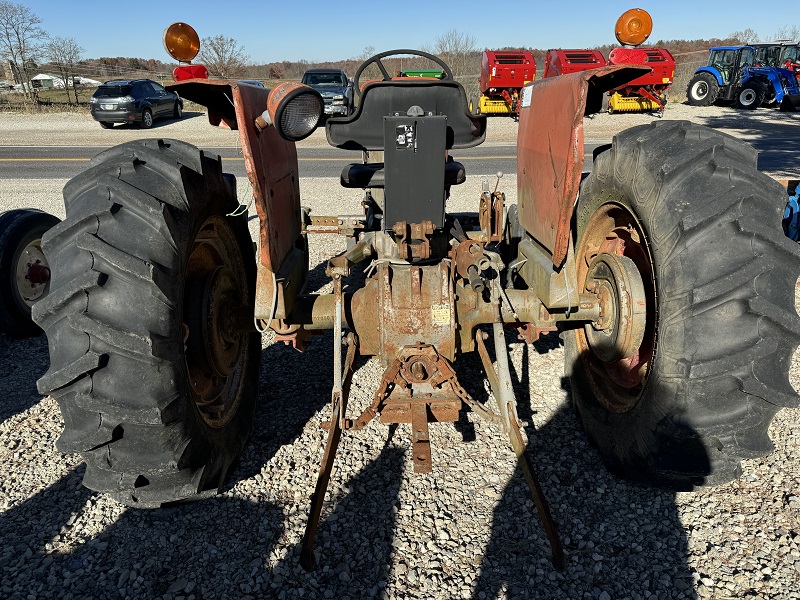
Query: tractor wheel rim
{"x":700,"y":90}
{"x":32,"y":275}
{"x":747,"y":97}
{"x":216,"y":346}
{"x":618,"y":376}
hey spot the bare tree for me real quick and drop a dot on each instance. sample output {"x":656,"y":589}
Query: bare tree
{"x":457,"y":49}
{"x":20,"y":35}
{"x":745,"y":36}
{"x":223,"y":56}
{"x":787,"y":32}
{"x":64,"y":53}
{"x":365,"y":54}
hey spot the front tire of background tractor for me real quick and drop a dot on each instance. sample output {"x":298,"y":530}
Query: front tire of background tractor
{"x":751,"y":96}
{"x":702,"y":90}
{"x":24,"y":270}
{"x":154,"y":363}
{"x":683,"y":211}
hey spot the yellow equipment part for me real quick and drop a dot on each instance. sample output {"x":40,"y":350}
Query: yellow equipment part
{"x":493,"y":107}
{"x":619,"y":103}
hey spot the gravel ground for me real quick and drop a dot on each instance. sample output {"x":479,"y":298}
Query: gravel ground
{"x":468,"y":530}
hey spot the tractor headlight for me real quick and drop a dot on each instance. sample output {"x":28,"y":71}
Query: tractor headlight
{"x":295,"y":110}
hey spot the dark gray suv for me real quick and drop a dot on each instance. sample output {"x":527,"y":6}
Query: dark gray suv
{"x":335,"y":87}
{"x":139,"y":101}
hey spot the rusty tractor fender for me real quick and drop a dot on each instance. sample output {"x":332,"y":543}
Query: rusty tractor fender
{"x":550,"y":149}
{"x":271,"y":165}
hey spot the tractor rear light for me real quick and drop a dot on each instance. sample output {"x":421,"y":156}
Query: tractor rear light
{"x":184,"y":72}
{"x":295,"y":109}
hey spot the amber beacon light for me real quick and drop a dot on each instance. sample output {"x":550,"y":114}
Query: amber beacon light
{"x":181,"y":42}
{"x":633,"y":27}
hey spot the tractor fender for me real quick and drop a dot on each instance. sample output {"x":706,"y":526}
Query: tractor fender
{"x":550,"y":149}
{"x":271,"y":164}
{"x":713,"y":71}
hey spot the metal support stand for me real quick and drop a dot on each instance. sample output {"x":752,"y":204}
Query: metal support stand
{"x":500,"y":382}
{"x":339,"y":395}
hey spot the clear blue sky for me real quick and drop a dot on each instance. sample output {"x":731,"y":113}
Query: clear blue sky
{"x":332,"y":30}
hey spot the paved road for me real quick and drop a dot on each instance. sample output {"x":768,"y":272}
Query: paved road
{"x":64,"y":162}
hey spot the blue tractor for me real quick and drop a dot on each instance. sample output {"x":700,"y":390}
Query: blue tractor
{"x":770,"y":86}
{"x":747,"y":76}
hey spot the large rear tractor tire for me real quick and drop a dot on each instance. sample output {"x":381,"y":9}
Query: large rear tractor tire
{"x":154,"y":362}
{"x":24,"y":270}
{"x":702,"y":90}
{"x":681,"y":237}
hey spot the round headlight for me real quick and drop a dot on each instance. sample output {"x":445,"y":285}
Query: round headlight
{"x":295,"y":109}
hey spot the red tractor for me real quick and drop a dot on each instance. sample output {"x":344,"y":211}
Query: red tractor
{"x":664,"y":269}
{"x":503,"y":75}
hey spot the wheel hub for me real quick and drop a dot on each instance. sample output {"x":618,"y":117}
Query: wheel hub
{"x":700,"y":89}
{"x":221,"y":340}
{"x":32,"y":273}
{"x":619,"y":331}
{"x":216,"y":322}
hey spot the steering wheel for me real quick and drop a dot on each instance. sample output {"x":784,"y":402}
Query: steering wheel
{"x":376,"y":59}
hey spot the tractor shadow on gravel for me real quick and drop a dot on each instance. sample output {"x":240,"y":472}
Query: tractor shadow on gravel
{"x":778,"y":143}
{"x":22,"y":362}
{"x":212,"y":548}
{"x":619,"y":538}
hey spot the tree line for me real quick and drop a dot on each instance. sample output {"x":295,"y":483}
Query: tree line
{"x":26,"y":48}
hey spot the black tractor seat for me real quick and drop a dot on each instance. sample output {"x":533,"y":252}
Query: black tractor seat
{"x":363,"y":130}
{"x":372,"y":175}
{"x":415,"y":124}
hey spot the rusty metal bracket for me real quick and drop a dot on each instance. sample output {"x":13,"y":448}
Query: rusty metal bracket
{"x":490,"y":216}
{"x":420,"y":441}
{"x":418,"y":387}
{"x":412,"y":239}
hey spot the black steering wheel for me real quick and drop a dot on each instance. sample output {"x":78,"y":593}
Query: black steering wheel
{"x":448,"y":74}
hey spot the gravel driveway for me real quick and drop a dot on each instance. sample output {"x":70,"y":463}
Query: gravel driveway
{"x":468,"y":530}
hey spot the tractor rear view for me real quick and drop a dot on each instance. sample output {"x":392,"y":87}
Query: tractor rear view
{"x":664,"y":269}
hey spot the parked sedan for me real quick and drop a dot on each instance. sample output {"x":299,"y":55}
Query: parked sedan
{"x":139,"y":101}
